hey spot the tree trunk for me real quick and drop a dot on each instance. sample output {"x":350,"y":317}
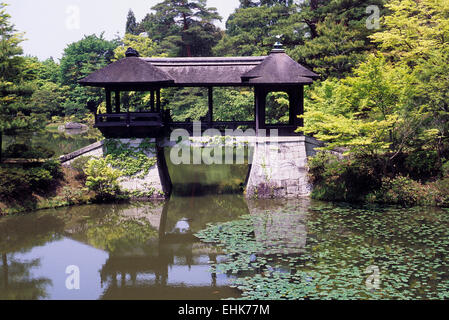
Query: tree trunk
{"x":312,"y":24}
{"x":1,"y":143}
{"x":186,"y":27}
{"x":5,"y":270}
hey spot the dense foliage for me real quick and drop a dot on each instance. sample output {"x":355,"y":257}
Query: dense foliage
{"x":19,"y":182}
{"x":392,"y":110}
{"x":16,"y":113}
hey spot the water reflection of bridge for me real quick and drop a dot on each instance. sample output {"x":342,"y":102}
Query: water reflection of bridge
{"x":148,"y":251}
{"x":177,"y":264}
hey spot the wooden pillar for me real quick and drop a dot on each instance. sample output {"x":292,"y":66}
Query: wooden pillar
{"x":293,"y":106}
{"x":158,"y":100}
{"x":108,"y":102}
{"x":261,"y":102}
{"x":152,"y":101}
{"x":117,"y":101}
{"x":211,"y":106}
{"x":301,"y":106}
{"x":296,"y":99}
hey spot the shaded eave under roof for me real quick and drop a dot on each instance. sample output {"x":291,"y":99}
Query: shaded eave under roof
{"x":134,"y":73}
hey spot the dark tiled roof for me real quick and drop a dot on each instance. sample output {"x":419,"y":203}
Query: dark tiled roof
{"x":131,"y":70}
{"x":276,"y":69}
{"x":214,"y":71}
{"x":279,"y":68}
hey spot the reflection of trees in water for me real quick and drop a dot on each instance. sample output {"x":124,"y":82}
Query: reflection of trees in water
{"x":59,"y":142}
{"x":127,"y":272}
{"x":20,"y":235}
{"x":194,"y":180}
{"x":141,"y":239}
{"x":17,"y":282}
{"x":203,"y":210}
{"x":116,"y":232}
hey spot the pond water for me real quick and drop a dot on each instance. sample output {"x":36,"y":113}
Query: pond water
{"x":60,"y":142}
{"x":262,"y":249}
{"x":193,"y":180}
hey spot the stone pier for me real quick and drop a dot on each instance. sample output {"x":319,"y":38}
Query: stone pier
{"x":278,"y":170}
{"x":279,"y":167}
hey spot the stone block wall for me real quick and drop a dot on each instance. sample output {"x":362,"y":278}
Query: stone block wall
{"x":155,"y":182}
{"x":279,"y":167}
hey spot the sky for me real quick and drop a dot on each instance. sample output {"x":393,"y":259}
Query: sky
{"x":50,"y":25}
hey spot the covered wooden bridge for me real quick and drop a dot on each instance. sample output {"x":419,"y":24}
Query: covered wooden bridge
{"x":274,"y":73}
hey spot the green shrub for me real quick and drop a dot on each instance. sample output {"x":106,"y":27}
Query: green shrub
{"x":326,"y":172}
{"x":442,"y":197}
{"x":422,"y":164}
{"x":20,"y":183}
{"x":102,"y":178}
{"x":347,"y":179}
{"x":73,"y":196}
{"x":445,"y":169}
{"x":403,"y":191}
{"x":80,"y":164}
{"x":39,"y":178}
{"x":13,"y":183}
{"x":54,"y":167}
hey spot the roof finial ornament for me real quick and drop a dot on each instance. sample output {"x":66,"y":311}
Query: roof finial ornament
{"x":278,"y":46}
{"x":132,"y":53}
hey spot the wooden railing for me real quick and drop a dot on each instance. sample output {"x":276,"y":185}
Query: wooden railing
{"x":130,"y":119}
{"x":151,"y":120}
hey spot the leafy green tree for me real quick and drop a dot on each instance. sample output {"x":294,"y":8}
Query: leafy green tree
{"x":49,"y":71}
{"x":414,"y":29}
{"x":85,"y":56}
{"x":362,"y":112}
{"x":80,"y":59}
{"x":186,"y":103}
{"x":144,"y":45}
{"x":183,"y":27}
{"x":252,"y":3}
{"x":416,"y":35}
{"x":10,"y":60}
{"x":15,"y":112}
{"x":233,"y":104}
{"x":49,"y":99}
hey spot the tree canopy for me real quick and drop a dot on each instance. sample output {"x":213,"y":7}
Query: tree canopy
{"x":183,"y":27}
{"x":16,"y":114}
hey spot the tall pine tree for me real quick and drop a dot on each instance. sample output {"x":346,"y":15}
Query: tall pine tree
{"x":183,"y":27}
{"x":131,"y":23}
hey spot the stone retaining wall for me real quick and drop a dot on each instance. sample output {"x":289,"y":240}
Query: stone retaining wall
{"x":279,"y":168}
{"x":156,"y":182}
